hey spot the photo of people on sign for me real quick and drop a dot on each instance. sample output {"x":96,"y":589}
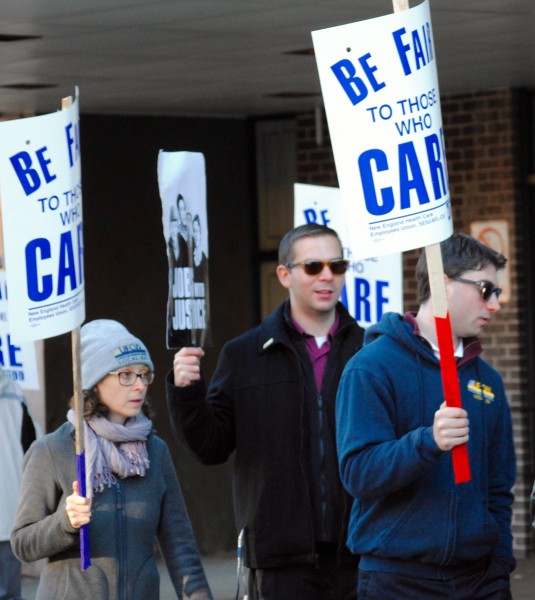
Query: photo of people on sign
{"x":182,"y":185}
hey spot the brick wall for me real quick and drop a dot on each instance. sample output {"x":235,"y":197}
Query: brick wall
{"x":486,"y":182}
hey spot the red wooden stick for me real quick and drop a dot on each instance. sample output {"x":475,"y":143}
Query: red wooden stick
{"x":452,"y":392}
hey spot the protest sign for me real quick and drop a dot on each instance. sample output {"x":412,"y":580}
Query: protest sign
{"x":182,"y":185}
{"x":373,"y":285}
{"x":380,"y":88}
{"x":41,"y":193}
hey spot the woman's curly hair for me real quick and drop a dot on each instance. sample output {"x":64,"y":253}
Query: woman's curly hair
{"x":94,"y":408}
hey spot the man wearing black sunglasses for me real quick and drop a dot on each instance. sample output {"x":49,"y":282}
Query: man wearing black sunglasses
{"x":271,"y":400}
{"x":419,"y":534}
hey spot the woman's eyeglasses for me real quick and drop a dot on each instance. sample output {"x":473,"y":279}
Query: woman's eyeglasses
{"x":338,"y":266}
{"x":130,"y":377}
{"x":486,"y":288}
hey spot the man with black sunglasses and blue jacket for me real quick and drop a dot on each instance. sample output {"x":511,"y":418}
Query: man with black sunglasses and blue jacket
{"x":421,"y":535}
{"x":271,"y":402}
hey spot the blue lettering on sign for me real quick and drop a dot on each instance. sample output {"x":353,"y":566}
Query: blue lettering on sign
{"x":362,"y":300}
{"x":355,"y":87}
{"x":37,"y":292}
{"x":420,"y":52}
{"x":311,"y":216}
{"x":365,"y":310}
{"x":11,"y":359}
{"x":40,"y":285}
{"x":3,"y":290}
{"x":343,"y":296}
{"x":27,"y":174}
{"x":66,"y":263}
{"x":373,"y":206}
{"x":363,"y":304}
{"x":435,"y":152}
{"x":73,"y":142}
{"x":381,"y":201}
{"x":408,"y":164}
{"x":80,"y":246}
{"x":380,"y":299}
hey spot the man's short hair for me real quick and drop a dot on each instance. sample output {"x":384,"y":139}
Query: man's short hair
{"x":286,"y":246}
{"x":460,"y":253}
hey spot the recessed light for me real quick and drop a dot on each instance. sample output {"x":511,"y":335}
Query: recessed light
{"x":302,"y":52}
{"x":6,"y":37}
{"x":292,"y":95}
{"x":28,"y":86}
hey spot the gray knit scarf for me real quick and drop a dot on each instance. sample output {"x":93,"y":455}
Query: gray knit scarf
{"x":113,"y":450}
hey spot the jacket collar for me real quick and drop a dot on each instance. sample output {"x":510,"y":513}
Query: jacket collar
{"x":472,"y":345}
{"x":276,"y":328}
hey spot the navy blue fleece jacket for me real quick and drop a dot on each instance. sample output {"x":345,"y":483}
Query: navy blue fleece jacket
{"x":407,"y":505}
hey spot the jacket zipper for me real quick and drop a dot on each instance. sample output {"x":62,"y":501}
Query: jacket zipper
{"x":321,"y":442}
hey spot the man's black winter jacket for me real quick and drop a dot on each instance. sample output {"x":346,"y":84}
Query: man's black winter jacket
{"x":256,"y":404}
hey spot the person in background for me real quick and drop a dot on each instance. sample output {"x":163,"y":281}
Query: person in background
{"x":201,"y":284}
{"x":177,"y":246}
{"x":200,"y":262}
{"x":178,"y":256}
{"x":419,"y":534}
{"x":17,"y":432}
{"x":184,"y":219}
{"x":271,"y":401}
{"x":133,"y":499}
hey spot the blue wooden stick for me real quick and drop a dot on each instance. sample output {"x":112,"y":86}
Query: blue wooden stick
{"x":85,"y":559}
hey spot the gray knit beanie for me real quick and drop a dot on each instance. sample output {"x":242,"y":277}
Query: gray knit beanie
{"x":105,"y":346}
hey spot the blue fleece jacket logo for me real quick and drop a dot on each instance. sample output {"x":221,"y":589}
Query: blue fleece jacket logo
{"x":481,"y":391}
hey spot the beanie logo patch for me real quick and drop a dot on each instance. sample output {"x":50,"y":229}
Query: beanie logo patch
{"x":130,"y":353}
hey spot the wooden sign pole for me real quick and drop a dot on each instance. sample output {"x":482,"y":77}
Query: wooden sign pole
{"x":78,"y":401}
{"x":448,"y":366}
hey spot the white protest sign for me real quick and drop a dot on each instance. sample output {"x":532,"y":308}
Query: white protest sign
{"x":373,"y":285}
{"x":18,"y":360}
{"x":41,"y":193}
{"x":380,"y":88}
{"x":182,"y":185}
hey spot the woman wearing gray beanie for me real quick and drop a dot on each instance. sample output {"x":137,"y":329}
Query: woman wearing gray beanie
{"x":133,"y":495}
